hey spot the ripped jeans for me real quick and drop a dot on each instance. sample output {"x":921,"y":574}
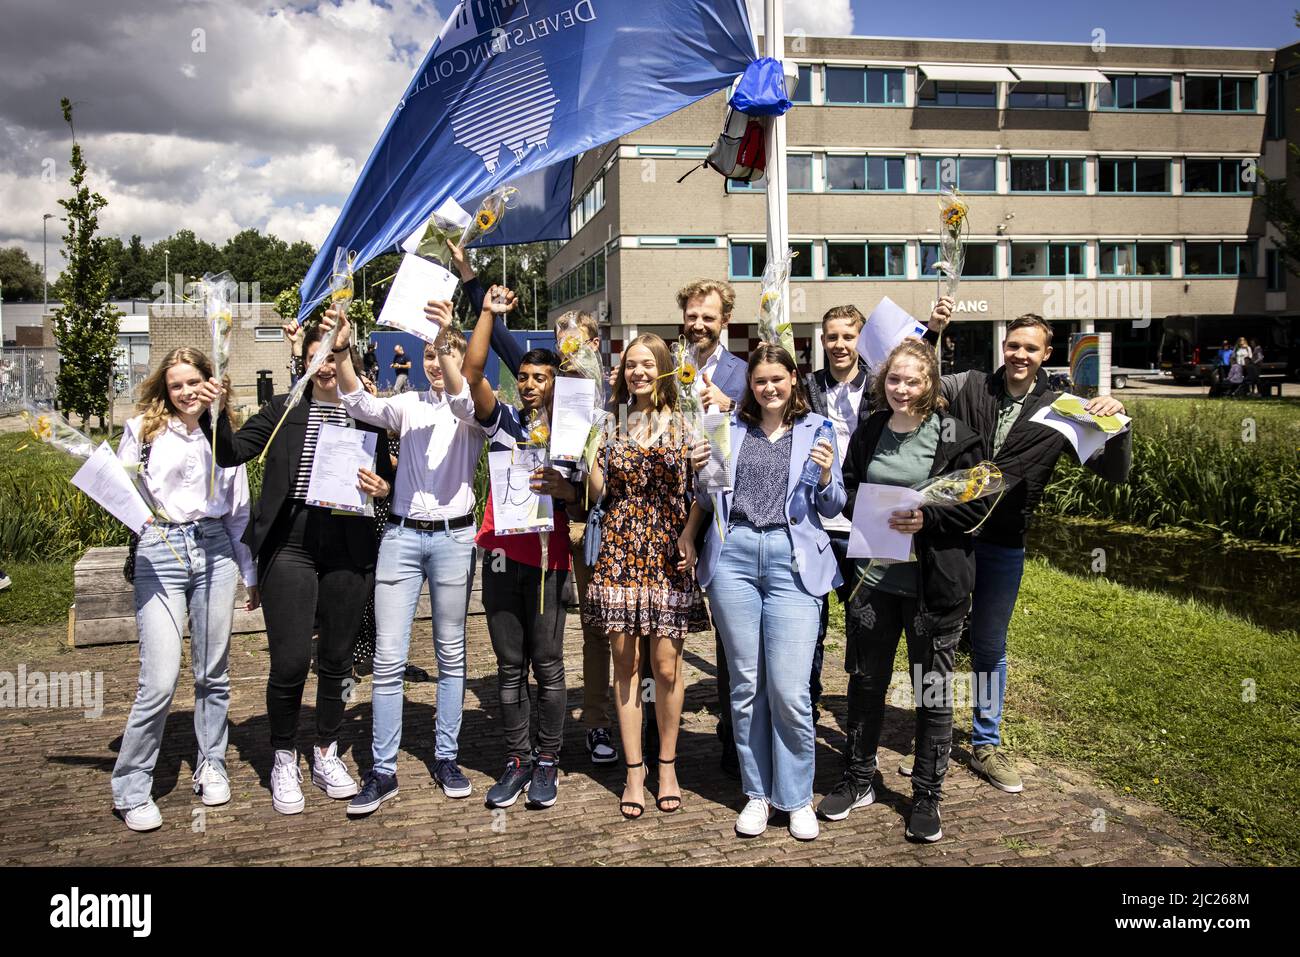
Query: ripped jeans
{"x":873,"y":623}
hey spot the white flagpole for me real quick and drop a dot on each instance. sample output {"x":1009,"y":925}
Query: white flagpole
{"x":778,"y":197}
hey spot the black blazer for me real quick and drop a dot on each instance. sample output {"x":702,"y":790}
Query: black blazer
{"x":281,"y":472}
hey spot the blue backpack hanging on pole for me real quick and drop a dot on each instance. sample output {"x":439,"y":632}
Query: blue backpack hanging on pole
{"x":761,"y":89}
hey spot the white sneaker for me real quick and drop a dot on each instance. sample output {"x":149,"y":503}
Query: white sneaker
{"x":145,"y":817}
{"x":803,"y":824}
{"x":753,"y":819}
{"x":211,"y":785}
{"x":286,"y":783}
{"x":329,"y":773}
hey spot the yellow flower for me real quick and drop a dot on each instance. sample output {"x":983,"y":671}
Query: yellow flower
{"x":953,"y":216}
{"x":486,"y":219}
{"x":540,"y":435}
{"x":686,"y":374}
{"x":570,"y":345}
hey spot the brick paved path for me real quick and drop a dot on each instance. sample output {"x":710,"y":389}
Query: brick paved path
{"x":55,"y":804}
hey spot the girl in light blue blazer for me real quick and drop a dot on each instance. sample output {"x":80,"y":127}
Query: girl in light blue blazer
{"x":766,"y":567}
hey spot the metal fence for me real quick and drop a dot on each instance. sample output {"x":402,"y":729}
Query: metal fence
{"x":26,"y":375}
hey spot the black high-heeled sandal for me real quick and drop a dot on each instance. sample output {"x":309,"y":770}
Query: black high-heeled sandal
{"x":623,"y":806}
{"x":659,"y":802}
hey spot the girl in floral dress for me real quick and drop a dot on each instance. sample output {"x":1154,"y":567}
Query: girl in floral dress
{"x":642,"y":584}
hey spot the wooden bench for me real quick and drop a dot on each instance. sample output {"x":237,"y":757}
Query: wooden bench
{"x":103,"y":611}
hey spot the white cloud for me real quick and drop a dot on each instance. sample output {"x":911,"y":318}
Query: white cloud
{"x":823,"y":18}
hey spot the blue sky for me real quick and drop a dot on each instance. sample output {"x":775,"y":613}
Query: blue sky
{"x":1252,"y":23}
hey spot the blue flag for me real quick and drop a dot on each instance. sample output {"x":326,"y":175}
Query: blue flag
{"x":512,"y":91}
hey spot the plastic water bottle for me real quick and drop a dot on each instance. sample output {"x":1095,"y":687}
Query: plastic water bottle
{"x":812,"y":472}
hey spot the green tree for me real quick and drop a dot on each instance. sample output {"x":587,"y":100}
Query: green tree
{"x":288,"y":302}
{"x":20,"y":278}
{"x":186,"y":255}
{"x":525,"y":271}
{"x":85,"y":325}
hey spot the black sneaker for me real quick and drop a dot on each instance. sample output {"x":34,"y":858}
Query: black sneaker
{"x":543,"y":789}
{"x":924,"y":823}
{"x":512,"y":783}
{"x":844,"y":797}
{"x":601,"y":746}
{"x":451,"y":779}
{"x":376,"y":788}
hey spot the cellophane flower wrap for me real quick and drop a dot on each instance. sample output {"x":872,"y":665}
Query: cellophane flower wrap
{"x":773,"y":322}
{"x":688,"y":401}
{"x":579,"y":356}
{"x":215,"y":290}
{"x":963,"y":485}
{"x":954,"y":226}
{"x":341,"y":292}
{"x":50,"y":427}
{"x":488,"y":215}
{"x":438,"y":232}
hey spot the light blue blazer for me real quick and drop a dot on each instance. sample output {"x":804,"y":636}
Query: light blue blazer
{"x":805,"y":506}
{"x":731,"y":376}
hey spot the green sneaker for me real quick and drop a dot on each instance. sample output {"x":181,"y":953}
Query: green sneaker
{"x":905,"y":765}
{"x":994,"y":764}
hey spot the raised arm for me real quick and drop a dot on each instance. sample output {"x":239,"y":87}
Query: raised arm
{"x":476,"y":352}
{"x":504,"y":344}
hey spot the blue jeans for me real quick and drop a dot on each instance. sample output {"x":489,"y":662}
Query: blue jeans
{"x":998,"y":571}
{"x":768,"y":625}
{"x":408,"y":557}
{"x":202,"y":584}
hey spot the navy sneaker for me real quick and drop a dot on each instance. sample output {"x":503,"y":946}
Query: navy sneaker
{"x":924,"y":823}
{"x":543,"y":789}
{"x":447,"y":773}
{"x":513,"y":783}
{"x":376,"y":788}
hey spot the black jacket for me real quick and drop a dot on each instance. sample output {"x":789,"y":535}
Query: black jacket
{"x":945,"y":550}
{"x":281,"y":472}
{"x":1029,"y":453}
{"x":821,"y":382}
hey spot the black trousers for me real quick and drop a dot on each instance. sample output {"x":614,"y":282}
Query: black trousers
{"x":840,"y":548}
{"x":873,"y":623}
{"x":307,"y":580}
{"x":522,"y":638}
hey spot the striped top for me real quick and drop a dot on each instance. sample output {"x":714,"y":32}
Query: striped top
{"x":320,"y":412}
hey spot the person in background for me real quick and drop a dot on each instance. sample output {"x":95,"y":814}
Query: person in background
{"x":642,"y":591}
{"x":430,"y":540}
{"x":842,"y":393}
{"x":370,"y":362}
{"x":766,"y":578}
{"x":5,"y":580}
{"x":201,"y":517}
{"x":401,"y":366}
{"x":1241,"y":352}
{"x":1000,"y":408}
{"x":907,"y":442}
{"x":721,"y":382}
{"x":315,"y":566}
{"x":526,"y":628}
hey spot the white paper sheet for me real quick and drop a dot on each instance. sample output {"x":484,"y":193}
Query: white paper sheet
{"x":571,"y":414}
{"x":450,"y":211}
{"x":418,"y":280}
{"x":516,"y":508}
{"x":716,"y":475}
{"x":340,"y":452}
{"x":1085,"y":439}
{"x":104,"y":479}
{"x":871,"y":536}
{"x":887,"y":326}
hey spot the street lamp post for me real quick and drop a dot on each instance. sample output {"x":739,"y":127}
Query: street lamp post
{"x":45,"y":260}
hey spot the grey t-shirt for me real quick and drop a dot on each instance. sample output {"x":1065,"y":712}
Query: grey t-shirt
{"x":901,"y":460}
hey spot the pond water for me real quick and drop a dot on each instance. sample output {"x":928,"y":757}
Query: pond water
{"x":1257,"y":584}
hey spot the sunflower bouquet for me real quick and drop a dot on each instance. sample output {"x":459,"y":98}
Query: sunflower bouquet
{"x":773,"y":323}
{"x":488,"y":216}
{"x":50,"y":427}
{"x":963,"y":485}
{"x":954,"y":226}
{"x":215,"y":290}
{"x":341,"y":292}
{"x":688,"y":401}
{"x":578,"y":355}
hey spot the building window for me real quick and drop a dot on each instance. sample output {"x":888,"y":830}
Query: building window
{"x":1140,"y":92}
{"x":970,"y":174}
{"x":583,"y":280}
{"x":868,"y":173}
{"x":981,"y":260}
{"x":1133,"y":259}
{"x":1219,"y":94}
{"x":957,"y":93}
{"x":1046,"y":259}
{"x":803,"y":92}
{"x":1217,"y":176}
{"x":1046,"y":96}
{"x":1275,"y":124}
{"x":591,"y":202}
{"x":1133,"y":176}
{"x":866,"y":260}
{"x":748,"y":260}
{"x":798,"y":177}
{"x":1219,"y":259}
{"x":855,"y":85}
{"x":268,"y":334}
{"x":1274,"y":271}
{"x":1046,"y":175}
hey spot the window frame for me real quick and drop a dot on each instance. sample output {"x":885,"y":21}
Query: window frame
{"x":1132,"y":247}
{"x":1169,"y":176}
{"x":736,"y":186}
{"x":865,"y":245}
{"x":1252,"y":82}
{"x":757,"y":276}
{"x":1047,"y":245}
{"x":1239,"y":246}
{"x":866,"y":159}
{"x":865,"y":71}
{"x":1015,"y":90}
{"x":1047,"y":161}
{"x":925,"y":243}
{"x":1113,"y":108}
{"x":959,"y":86}
{"x":920,"y":174}
{"x":1247,"y":189}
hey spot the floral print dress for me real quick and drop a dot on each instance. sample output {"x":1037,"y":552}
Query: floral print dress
{"x":635,"y":586}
